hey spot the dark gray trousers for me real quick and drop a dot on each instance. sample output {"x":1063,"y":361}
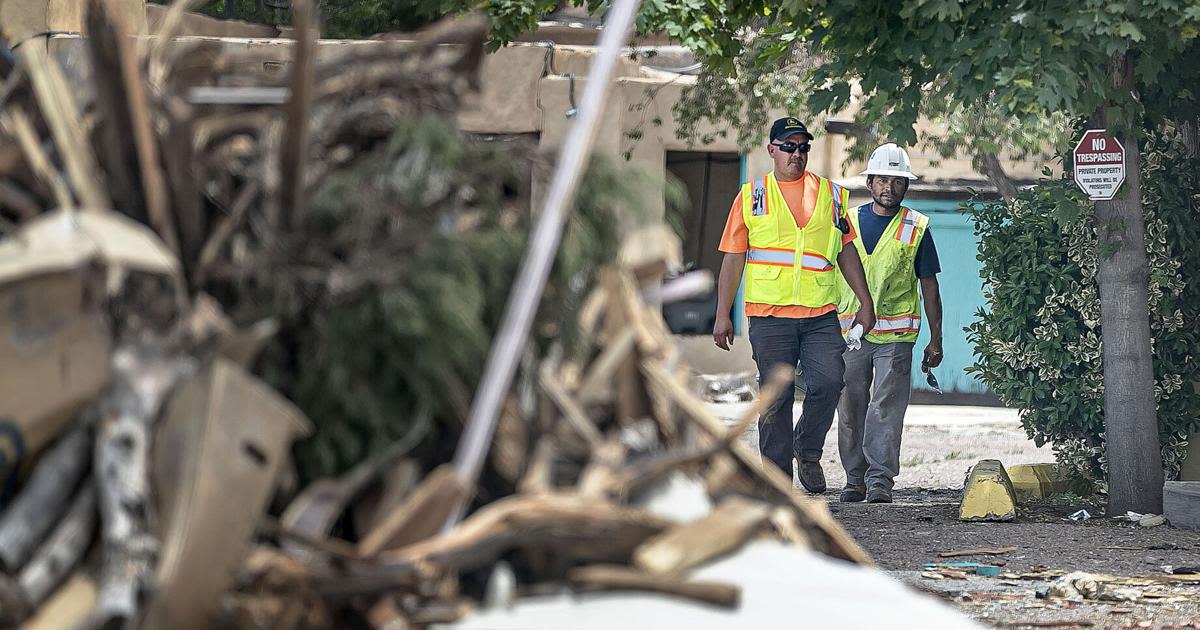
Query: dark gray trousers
{"x":871,"y":413}
{"x":815,"y":343}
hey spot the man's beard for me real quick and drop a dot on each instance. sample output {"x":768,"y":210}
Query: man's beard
{"x":896,"y":201}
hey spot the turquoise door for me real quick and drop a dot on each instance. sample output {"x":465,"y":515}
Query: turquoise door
{"x":962,"y":296}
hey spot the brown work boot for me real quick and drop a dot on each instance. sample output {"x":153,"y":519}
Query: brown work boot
{"x":879,"y":494}
{"x":811,"y":476}
{"x":851,"y":494}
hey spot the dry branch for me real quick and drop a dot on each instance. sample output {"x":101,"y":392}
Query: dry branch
{"x":43,"y":499}
{"x":293,"y":154}
{"x":724,"y":529}
{"x":572,"y":412}
{"x":124,"y":100}
{"x":618,"y":577}
{"x":417,"y":518}
{"x":58,"y":109}
{"x":62,"y":552}
{"x":144,"y":371}
{"x":16,"y":199}
{"x":831,"y":538}
{"x":572,"y":527}
{"x":18,"y":124}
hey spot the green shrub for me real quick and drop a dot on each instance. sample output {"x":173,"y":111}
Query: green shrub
{"x":1038,"y":346}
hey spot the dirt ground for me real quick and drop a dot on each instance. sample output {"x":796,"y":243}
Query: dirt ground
{"x":920,"y":524}
{"x":940,"y":445}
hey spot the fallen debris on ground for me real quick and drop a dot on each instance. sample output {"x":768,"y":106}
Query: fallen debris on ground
{"x":982,"y":551}
{"x":160,"y":491}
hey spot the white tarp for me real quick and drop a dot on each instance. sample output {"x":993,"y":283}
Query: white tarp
{"x":782,"y":586}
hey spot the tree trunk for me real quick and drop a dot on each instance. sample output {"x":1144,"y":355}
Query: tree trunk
{"x":1135,"y":470}
{"x":990,"y":166}
{"x":1189,"y":130}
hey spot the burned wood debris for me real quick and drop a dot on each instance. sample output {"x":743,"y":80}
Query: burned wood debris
{"x":146,"y":458}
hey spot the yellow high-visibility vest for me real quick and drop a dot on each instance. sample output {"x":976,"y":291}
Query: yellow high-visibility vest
{"x":891,"y":279}
{"x":788,"y":265}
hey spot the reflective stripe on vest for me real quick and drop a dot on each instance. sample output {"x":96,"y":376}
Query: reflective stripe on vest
{"x":836,"y":192}
{"x":898,"y":324}
{"x":907,"y":232}
{"x":891,"y":278}
{"x":815,"y":262}
{"x":787,"y":264}
{"x":760,"y":199}
{"x":783,"y":257}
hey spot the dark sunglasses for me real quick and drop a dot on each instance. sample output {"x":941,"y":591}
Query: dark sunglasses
{"x":931,"y":380}
{"x":792,"y":147}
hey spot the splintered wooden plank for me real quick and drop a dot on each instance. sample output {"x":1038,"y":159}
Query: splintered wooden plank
{"x":837,"y":542}
{"x":130,"y":112}
{"x":724,"y":529}
{"x":537,"y":477}
{"x":58,"y":109}
{"x":594,"y":306}
{"x":605,"y":577}
{"x":602,"y":472}
{"x":597,"y":383}
{"x":419,"y":517}
{"x":579,"y":527}
{"x":570,"y":408}
{"x":17,"y":122}
{"x":294,"y":151}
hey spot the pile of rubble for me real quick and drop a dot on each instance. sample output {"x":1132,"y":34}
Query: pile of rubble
{"x":142,"y":457}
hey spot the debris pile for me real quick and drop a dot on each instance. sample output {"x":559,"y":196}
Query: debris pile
{"x":145,"y":455}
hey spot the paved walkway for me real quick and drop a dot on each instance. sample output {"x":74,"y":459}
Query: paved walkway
{"x":940,"y":444}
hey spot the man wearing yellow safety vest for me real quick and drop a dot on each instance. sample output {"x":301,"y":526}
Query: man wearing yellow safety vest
{"x":897,"y":251}
{"x":787,"y":230}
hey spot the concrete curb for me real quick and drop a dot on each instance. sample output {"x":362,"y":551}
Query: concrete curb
{"x":1037,"y":481}
{"x":988,"y":494}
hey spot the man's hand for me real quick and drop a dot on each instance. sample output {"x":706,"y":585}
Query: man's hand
{"x":723,"y":333}
{"x":866,"y":317}
{"x":727,"y":286}
{"x":933,"y":355}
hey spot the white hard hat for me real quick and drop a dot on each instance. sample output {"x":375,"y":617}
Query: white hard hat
{"x":889,"y":159}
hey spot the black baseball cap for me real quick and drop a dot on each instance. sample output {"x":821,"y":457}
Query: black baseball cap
{"x":785,"y":127}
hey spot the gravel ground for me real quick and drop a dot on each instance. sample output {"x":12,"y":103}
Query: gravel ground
{"x":940,"y":445}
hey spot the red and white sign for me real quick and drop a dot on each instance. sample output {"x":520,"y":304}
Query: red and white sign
{"x":1099,"y":164}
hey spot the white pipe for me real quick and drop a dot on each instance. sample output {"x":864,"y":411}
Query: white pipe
{"x":539,"y":257}
{"x":684,"y":287}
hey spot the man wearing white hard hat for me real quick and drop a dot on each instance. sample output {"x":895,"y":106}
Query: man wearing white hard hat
{"x":901,"y":264}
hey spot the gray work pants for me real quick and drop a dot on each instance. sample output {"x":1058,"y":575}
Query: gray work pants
{"x":815,"y":343}
{"x":871,"y":412}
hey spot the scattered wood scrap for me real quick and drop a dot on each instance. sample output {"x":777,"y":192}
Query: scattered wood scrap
{"x":982,"y":551}
{"x":169,"y":473}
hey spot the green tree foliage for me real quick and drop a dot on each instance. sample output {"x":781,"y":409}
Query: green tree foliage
{"x":1038,"y":346}
{"x":995,"y":75}
{"x":923,"y":56}
{"x":390,"y":291}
